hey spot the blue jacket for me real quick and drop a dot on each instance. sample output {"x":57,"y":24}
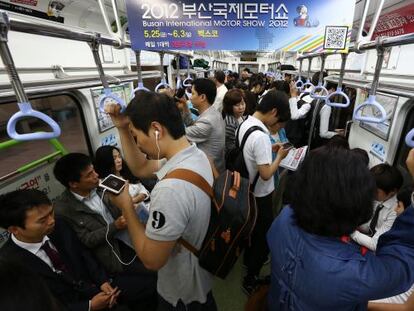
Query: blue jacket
{"x":311,"y":272}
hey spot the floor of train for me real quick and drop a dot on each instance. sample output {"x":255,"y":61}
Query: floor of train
{"x":228,"y":293}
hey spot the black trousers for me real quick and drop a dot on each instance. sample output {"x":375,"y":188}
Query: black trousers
{"x":209,"y":305}
{"x":256,"y":253}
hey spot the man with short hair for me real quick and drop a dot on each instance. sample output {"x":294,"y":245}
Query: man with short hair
{"x":178,"y":209}
{"x":219,"y":78}
{"x":272,"y":112}
{"x":208,"y":131}
{"x":53,"y":252}
{"x":91,"y":215}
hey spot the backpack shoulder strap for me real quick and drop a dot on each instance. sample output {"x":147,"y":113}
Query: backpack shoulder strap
{"x":247,"y":134}
{"x":197,"y":180}
{"x":193,"y":178}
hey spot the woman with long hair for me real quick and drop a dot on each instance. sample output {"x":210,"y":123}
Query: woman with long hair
{"x":108,"y":160}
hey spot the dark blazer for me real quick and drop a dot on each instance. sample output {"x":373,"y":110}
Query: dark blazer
{"x":73,"y":290}
{"x":91,"y":228}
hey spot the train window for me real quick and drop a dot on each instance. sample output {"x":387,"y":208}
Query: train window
{"x":64,"y":110}
{"x":403,"y":149}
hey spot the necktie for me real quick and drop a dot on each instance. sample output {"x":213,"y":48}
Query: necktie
{"x":374,"y":220}
{"x":54,"y":257}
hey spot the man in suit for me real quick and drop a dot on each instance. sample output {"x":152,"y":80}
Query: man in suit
{"x":52,"y":250}
{"x":70,"y":275}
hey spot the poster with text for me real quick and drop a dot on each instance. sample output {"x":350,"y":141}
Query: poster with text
{"x":290,"y":25}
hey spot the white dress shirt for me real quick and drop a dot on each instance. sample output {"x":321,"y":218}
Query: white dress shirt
{"x":95,"y":203}
{"x":386,"y":219}
{"x":218,"y":102}
{"x":35,"y":249}
{"x":298,"y":113}
{"x":325,"y":115}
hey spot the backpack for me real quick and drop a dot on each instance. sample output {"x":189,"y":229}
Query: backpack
{"x":235,"y":158}
{"x":232,"y":220}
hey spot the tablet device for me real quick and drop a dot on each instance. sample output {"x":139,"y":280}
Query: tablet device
{"x":113,"y":184}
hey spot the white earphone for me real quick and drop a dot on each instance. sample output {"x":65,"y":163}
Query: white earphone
{"x":157,"y":135}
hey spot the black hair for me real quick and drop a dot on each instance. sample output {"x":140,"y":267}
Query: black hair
{"x":281,"y":85}
{"x":315,"y":77}
{"x":242,"y":86}
{"x":219,"y":76}
{"x":275,"y":99}
{"x":246,"y":69}
{"x":338,"y":141}
{"x":256,"y":79}
{"x":388,"y":178}
{"x":232,"y":98}
{"x":235,"y":75}
{"x":147,"y":107}
{"x":104,"y":164}
{"x":206,"y":87}
{"x":404,"y":196}
{"x":69,"y":167}
{"x":287,"y":67}
{"x":15,"y":204}
{"x":332,"y":192}
{"x":180,"y":93}
{"x":363,"y":155}
{"x":22,"y":289}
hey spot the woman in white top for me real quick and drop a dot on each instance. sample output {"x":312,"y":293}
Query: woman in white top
{"x":108,"y":160}
{"x":389,"y":180}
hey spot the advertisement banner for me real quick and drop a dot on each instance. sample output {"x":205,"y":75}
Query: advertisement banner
{"x":396,"y":23}
{"x":266,"y":25}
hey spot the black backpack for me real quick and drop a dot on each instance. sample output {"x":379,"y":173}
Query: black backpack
{"x":232,"y":220}
{"x":235,"y":159}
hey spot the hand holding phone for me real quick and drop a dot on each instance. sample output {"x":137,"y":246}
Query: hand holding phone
{"x":113,"y":184}
{"x":287,"y":146}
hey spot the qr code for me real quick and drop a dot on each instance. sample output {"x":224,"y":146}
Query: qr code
{"x":335,"y":37}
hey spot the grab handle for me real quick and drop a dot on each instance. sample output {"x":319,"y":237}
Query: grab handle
{"x":371,"y":101}
{"x":25,"y":107}
{"x":338,"y":92}
{"x":299,"y":83}
{"x":319,"y":89}
{"x":163,"y":82}
{"x":109,"y":95}
{"x":409,"y":139}
{"x":139,"y":73}
{"x":188,"y":82}
{"x":26,"y":111}
{"x":307,"y":84}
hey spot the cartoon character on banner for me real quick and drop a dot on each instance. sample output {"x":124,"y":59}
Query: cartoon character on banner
{"x":303,"y":20}
{"x":55,"y":8}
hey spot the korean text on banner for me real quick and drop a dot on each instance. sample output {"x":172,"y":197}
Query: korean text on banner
{"x":290,"y":25}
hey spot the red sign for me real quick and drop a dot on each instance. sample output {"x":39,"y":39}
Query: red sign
{"x":395,"y":23}
{"x":27,"y":2}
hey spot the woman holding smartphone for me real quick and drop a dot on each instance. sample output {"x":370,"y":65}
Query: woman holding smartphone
{"x":108,"y":160}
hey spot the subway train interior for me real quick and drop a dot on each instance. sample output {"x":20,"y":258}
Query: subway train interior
{"x":64,"y":60}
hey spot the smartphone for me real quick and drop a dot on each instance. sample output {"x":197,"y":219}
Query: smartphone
{"x":113,"y":184}
{"x":287,"y":146}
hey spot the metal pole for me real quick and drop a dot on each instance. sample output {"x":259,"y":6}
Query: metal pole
{"x":8,"y":60}
{"x":342,"y":72}
{"x":323,"y":59}
{"x":162,"y":66}
{"x":95,"y":51}
{"x":139,"y":70}
{"x":378,"y":67}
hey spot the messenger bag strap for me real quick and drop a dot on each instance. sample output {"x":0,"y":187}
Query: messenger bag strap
{"x":196,"y":180}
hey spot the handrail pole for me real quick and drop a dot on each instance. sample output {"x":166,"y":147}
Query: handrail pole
{"x":95,"y":51}
{"x":139,"y":69}
{"x":8,"y":60}
{"x":344,"y":57}
{"x":377,"y":72}
{"x":323,"y":59}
